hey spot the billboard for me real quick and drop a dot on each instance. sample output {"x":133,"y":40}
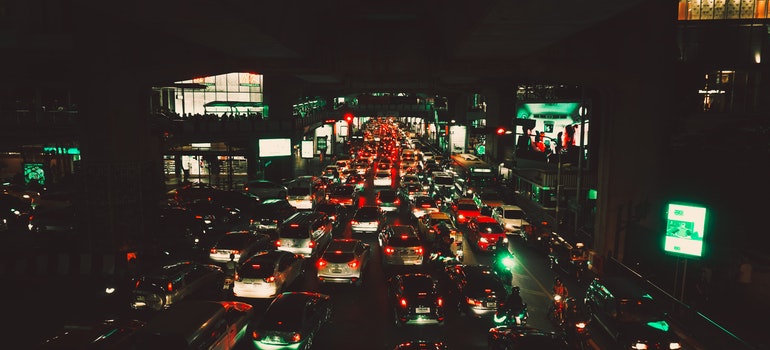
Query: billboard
{"x":306,"y":147}
{"x":274,"y":147}
{"x":685,"y":229}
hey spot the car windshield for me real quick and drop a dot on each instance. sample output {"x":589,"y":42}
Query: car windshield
{"x":443,"y":180}
{"x":261,"y":185}
{"x":367,"y":214}
{"x":233,"y":240}
{"x":292,"y":231}
{"x":513,"y":214}
{"x":425,"y":202}
{"x":490,"y":227}
{"x":284,"y":314}
{"x":383,"y":175}
{"x":467,"y":206}
{"x":387,"y":196}
{"x":257,"y":268}
{"x":336,"y":256}
{"x":643,"y":311}
{"x":343,"y":190}
{"x":326,"y":208}
{"x":298,"y":191}
{"x":399,"y":240}
{"x":418,"y":285}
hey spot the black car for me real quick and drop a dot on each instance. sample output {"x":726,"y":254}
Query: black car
{"x":478,"y":289}
{"x":215,"y":216}
{"x":415,"y":299}
{"x":525,"y":338}
{"x":292,"y":320}
{"x":629,"y":314}
{"x":14,"y":212}
{"x":332,"y":210}
{"x":179,"y":231}
{"x":270,"y":213}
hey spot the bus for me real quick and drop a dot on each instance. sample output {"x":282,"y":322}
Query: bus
{"x":472,"y":173}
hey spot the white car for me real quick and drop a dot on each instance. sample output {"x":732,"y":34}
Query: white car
{"x":511,"y":217}
{"x":383,"y":178}
{"x":267,"y":274}
{"x":344,"y":261}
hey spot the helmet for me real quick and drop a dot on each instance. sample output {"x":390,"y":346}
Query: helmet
{"x":557,"y":280}
{"x":515,"y":290}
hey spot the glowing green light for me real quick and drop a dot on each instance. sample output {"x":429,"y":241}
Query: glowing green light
{"x":660,"y":325}
{"x":530,"y":110}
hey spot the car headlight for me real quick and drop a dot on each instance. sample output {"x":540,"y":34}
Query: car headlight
{"x":674,"y":346}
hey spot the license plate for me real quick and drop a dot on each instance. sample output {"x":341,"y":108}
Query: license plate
{"x":336,"y":271}
{"x":491,"y":304}
{"x":140,"y":298}
{"x":422,"y":310}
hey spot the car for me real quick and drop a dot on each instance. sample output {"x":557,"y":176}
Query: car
{"x":344,"y":261}
{"x":267,"y":274}
{"x":241,"y":244}
{"x":332,"y":210}
{"x":179,"y":230}
{"x":428,"y":222}
{"x":332,"y":173}
{"x":303,"y":192}
{"x":411,"y":190}
{"x":166,"y":285}
{"x":306,"y":233}
{"x":215,"y":216}
{"x":410,"y":178}
{"x":197,"y":324}
{"x":442,"y":179}
{"x":292,"y":321}
{"x":421,"y":345}
{"x":415,"y":299}
{"x":54,"y":220}
{"x":423,"y":205}
{"x":383,"y":178}
{"x":344,"y":194}
{"x":367,"y":219}
{"x":629,"y":314}
{"x":484,"y":232}
{"x":400,"y":245}
{"x":463,"y":209}
{"x":15,"y":210}
{"x":478,"y":289}
{"x":107,"y":334}
{"x":270,"y":213}
{"x":511,"y":217}
{"x":525,"y":338}
{"x":488,"y":198}
{"x":388,"y":200}
{"x":265,"y":189}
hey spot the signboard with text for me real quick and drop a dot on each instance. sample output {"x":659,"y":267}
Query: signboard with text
{"x":685,"y":229}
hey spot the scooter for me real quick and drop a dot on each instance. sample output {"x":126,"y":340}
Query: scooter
{"x":503,"y":266}
{"x":556,"y":311}
{"x":511,"y":316}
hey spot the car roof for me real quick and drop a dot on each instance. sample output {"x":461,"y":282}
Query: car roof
{"x":484,"y":219}
{"x":439,"y":215}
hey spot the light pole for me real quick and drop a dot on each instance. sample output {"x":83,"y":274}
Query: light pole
{"x":558,"y":190}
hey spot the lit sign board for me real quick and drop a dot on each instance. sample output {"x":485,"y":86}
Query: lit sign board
{"x":685,"y":229}
{"x":306,"y":147}
{"x":274,"y":147}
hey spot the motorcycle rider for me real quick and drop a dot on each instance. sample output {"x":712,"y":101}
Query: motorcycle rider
{"x":514,"y":301}
{"x":443,"y":245}
{"x":559,"y":288}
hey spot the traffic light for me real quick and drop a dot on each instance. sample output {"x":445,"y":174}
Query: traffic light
{"x":349,"y":117}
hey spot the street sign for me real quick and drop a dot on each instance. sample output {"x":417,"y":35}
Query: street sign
{"x":321,"y":143}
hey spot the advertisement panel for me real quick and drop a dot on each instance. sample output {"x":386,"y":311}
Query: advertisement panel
{"x":274,"y":147}
{"x":685,"y":229}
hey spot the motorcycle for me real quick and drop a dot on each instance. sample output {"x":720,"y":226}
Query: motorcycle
{"x":443,"y":255}
{"x":556,"y":310}
{"x":575,"y":325}
{"x":511,"y":316}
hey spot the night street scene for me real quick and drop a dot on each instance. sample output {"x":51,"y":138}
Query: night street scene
{"x":450,"y":175}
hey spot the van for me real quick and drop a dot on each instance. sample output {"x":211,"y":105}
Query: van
{"x":197,"y":324}
{"x":305,"y":233}
{"x":629,"y":314}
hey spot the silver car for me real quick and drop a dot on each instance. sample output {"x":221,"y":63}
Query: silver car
{"x":367,"y":219}
{"x":401,"y":245}
{"x":265,"y":189}
{"x":344,"y":261}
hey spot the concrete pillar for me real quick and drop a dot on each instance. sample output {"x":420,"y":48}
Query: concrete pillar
{"x":281,"y":93}
{"x":499,"y":100}
{"x":121,"y":168}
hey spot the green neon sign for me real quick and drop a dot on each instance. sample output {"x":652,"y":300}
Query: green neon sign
{"x":685,"y":230}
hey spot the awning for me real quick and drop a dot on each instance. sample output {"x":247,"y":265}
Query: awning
{"x":233,"y":104}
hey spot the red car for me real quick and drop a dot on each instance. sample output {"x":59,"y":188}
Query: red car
{"x":484,"y":232}
{"x":464,"y":209}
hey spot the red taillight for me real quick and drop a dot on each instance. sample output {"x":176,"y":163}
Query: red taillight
{"x":353,"y":264}
{"x":311,"y":244}
{"x":379,"y":201}
{"x":236,"y":252}
{"x":397,"y":201}
{"x":213,"y":250}
{"x":321,"y":263}
{"x":270,"y":279}
{"x":254,"y":335}
{"x":402,"y":302}
{"x":419,"y":250}
{"x":277,"y":242}
{"x":169,"y":287}
{"x":296,"y":337}
{"x":353,"y":222}
{"x":440,"y":302}
{"x":389,"y":250}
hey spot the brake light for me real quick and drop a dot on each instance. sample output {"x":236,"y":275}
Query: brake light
{"x":311,"y":244}
{"x":277,"y":242}
{"x":419,"y":250}
{"x":213,"y":250}
{"x":353,"y":264}
{"x":379,"y":201}
{"x":353,"y":222}
{"x":169,"y":287}
{"x":389,"y":250}
{"x":270,"y":279}
{"x":440,"y":302}
{"x":321,"y":263}
{"x":403,"y":302}
{"x":254,"y":335}
{"x":397,"y":201}
{"x":296,"y":337}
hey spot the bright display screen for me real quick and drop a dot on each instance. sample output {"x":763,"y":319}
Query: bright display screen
{"x":274,"y":147}
{"x":685,"y":228}
{"x":307,"y":149}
